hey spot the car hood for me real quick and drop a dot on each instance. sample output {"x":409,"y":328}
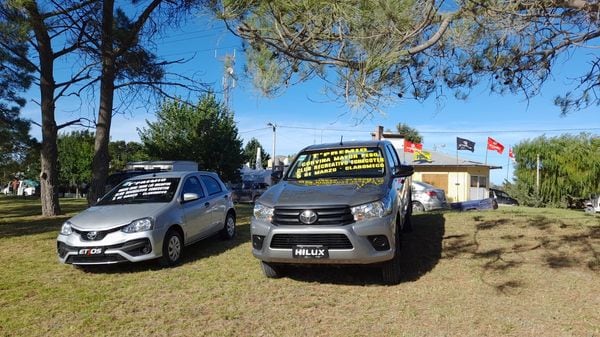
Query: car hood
{"x":325,"y":192}
{"x":111,"y":216}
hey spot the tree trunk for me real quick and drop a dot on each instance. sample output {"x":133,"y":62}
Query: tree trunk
{"x":49,"y":153}
{"x":101,"y":158}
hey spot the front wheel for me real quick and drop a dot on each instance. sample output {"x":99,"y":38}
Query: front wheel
{"x":172,"y":249}
{"x":390,"y":270}
{"x":228,"y":231}
{"x":270,"y":270}
{"x":417,"y":207}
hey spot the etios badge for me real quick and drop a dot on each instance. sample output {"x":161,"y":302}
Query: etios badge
{"x":308,"y":217}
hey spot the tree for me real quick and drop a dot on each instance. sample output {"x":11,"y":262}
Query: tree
{"x":127,"y":63}
{"x":205,"y":133}
{"x":45,"y":27}
{"x":570,"y":166}
{"x":250,"y":153}
{"x":75,"y":152}
{"x":371,"y":51}
{"x":410,"y":134}
{"x":122,"y":152}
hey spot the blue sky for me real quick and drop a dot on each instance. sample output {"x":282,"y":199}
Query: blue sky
{"x":302,"y":120}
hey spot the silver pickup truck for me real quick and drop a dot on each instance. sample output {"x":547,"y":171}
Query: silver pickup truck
{"x":344,"y":203}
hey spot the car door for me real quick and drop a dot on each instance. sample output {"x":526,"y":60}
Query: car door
{"x":400,"y":185}
{"x":217,"y":199}
{"x":196,"y":212}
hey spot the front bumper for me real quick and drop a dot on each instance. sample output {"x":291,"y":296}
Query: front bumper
{"x":114,"y":247}
{"x":347,"y":244}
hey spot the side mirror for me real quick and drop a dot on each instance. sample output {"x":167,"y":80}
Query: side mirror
{"x":404,"y":171}
{"x":190,"y":197}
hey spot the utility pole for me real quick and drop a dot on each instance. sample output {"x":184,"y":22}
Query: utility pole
{"x":274,"y":126}
{"x":229,"y":78}
{"x":537,"y":176}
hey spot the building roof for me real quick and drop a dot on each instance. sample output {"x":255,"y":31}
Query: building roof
{"x":441,"y":159}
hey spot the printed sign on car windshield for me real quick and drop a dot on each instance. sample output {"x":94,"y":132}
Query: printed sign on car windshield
{"x":142,"y":190}
{"x":348,"y":162}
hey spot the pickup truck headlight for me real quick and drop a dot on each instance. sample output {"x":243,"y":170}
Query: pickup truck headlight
{"x":66,"y":228}
{"x":376,"y":209}
{"x":139,"y":225}
{"x":262,"y":212}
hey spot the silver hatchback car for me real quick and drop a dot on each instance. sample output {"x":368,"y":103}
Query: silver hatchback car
{"x":426,"y":197}
{"x":150,"y":216}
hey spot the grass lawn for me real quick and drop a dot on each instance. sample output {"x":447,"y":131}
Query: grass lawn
{"x":510,"y":272}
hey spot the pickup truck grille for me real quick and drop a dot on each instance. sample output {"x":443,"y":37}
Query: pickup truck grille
{"x":335,"y":215}
{"x":331,"y":241}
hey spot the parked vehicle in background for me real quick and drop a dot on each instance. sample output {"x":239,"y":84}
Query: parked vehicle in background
{"x":475,"y":205}
{"x":25,"y":187}
{"x":341,"y":203}
{"x":502,"y":198}
{"x":593,"y":204}
{"x":137,"y":168}
{"x":248,"y":191}
{"x":147,"y":217}
{"x":426,"y":197}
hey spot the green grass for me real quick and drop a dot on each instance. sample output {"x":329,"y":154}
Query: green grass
{"x":510,"y":272}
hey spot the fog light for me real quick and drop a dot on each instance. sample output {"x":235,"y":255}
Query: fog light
{"x":379,"y":242}
{"x":257,"y":241}
{"x":146,"y":249}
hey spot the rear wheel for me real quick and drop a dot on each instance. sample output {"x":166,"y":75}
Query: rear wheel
{"x":172,"y":249}
{"x":417,"y":207}
{"x":270,"y":270}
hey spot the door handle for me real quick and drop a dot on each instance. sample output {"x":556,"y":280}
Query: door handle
{"x":206,"y":204}
{"x":225,"y":196}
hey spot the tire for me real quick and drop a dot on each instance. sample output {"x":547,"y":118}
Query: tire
{"x":390,"y":270}
{"x":407,"y":226}
{"x":270,"y":270}
{"x":417,"y":207}
{"x":228,"y":231}
{"x":494,"y":204}
{"x":172,"y":249}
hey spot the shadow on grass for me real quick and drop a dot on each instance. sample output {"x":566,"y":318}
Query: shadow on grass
{"x":421,"y":251}
{"x":208,"y":247}
{"x":31,"y":226}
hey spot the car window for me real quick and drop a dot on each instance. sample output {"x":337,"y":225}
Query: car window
{"x":192,"y":185}
{"x":142,"y":191}
{"x":212,"y":185}
{"x":364,"y":162}
{"x":393,"y":156}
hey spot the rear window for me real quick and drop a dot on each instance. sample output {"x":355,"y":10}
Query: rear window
{"x":142,"y":191}
{"x":338,"y":163}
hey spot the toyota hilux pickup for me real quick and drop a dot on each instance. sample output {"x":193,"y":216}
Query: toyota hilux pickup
{"x":343,"y":203}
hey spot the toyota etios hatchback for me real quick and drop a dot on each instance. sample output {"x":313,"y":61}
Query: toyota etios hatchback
{"x":150,"y":216}
{"x":337,"y":204}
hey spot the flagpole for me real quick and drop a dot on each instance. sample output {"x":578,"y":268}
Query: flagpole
{"x":508,"y":164}
{"x":486,"y":153}
{"x":456,"y":175}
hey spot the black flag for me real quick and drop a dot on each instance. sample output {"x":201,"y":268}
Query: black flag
{"x":465,"y":144}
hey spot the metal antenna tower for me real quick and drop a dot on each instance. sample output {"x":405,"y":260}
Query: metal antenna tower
{"x":229,"y":78}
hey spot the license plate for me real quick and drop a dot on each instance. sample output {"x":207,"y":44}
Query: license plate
{"x":310,"y":252}
{"x":90,"y":251}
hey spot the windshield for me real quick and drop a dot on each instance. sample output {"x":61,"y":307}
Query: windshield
{"x":142,"y":191}
{"x":338,"y":163}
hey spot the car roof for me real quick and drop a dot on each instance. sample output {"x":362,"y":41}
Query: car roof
{"x":343,"y":145}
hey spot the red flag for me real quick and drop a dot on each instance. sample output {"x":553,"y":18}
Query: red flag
{"x":495,"y":146}
{"x":511,"y":154}
{"x":411,"y":147}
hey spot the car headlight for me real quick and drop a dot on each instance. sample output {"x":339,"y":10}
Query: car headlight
{"x":376,"y":209}
{"x":262,"y":212}
{"x":66,"y":228}
{"x":139,"y":225}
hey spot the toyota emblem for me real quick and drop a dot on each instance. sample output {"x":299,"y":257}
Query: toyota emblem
{"x":308,"y":217}
{"x":92,"y":235}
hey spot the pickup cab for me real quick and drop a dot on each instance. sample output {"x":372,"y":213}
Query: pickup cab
{"x":343,"y":203}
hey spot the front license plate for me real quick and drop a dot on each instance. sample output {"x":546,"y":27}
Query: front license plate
{"x":90,"y":251}
{"x":310,"y":252}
